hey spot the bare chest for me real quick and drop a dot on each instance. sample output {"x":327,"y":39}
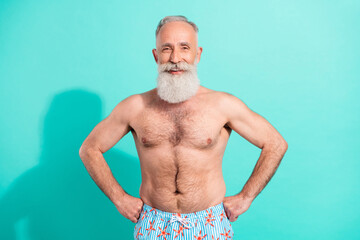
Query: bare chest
{"x":196,"y":129}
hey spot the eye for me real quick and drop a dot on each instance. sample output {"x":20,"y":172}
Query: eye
{"x":185,"y":48}
{"x":166,"y":49}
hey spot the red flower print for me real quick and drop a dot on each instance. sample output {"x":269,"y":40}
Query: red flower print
{"x":226,"y":234}
{"x":151,"y":228}
{"x":214,"y":238}
{"x":153,"y":209}
{"x":208,"y":221}
{"x":144,"y":215}
{"x":210,"y":214}
{"x":180,"y":230}
{"x":222,"y":215}
{"x":199,"y":237}
{"x":163,"y":233}
{"x":139,"y":233}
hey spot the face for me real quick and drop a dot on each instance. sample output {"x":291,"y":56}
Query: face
{"x":177,"y":55}
{"x":177,"y":42}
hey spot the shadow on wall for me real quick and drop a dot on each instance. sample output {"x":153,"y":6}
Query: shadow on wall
{"x":57,"y":199}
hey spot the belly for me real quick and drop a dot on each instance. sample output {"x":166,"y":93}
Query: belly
{"x":185,"y":180}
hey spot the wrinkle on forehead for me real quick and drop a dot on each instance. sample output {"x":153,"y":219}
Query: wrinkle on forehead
{"x":176,"y":32}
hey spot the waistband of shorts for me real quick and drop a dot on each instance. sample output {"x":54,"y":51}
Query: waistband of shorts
{"x":216,"y":210}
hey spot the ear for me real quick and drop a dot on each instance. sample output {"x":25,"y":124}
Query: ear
{"x":200,"y":49}
{"x":155,"y":55}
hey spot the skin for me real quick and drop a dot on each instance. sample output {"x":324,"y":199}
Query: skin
{"x":181,"y":146}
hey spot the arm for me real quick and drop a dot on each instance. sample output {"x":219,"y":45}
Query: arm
{"x":103,"y":137}
{"x":262,"y":134}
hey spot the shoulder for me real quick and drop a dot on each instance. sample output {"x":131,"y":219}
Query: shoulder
{"x":137,"y":101}
{"x":222,"y":99}
{"x":228,"y":101}
{"x":227,"y":104}
{"x":131,"y":106}
{"x":131,"y":103}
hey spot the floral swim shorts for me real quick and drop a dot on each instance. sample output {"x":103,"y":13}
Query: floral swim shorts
{"x":209,"y":224}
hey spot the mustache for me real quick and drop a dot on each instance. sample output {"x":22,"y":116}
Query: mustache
{"x":184,"y":66}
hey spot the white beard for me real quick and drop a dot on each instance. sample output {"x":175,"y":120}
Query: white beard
{"x":177,"y":88}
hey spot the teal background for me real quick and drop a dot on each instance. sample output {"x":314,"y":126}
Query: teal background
{"x":64,"y":65}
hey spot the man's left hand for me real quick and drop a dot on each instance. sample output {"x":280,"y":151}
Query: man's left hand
{"x":235,"y":206}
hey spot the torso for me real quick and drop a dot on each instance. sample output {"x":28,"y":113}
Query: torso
{"x":180,"y":147}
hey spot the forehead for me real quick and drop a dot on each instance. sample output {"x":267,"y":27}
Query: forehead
{"x":175,"y":32}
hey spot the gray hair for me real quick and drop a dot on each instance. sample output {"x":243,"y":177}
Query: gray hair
{"x":173,"y":19}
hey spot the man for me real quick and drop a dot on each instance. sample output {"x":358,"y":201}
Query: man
{"x":181,"y":130}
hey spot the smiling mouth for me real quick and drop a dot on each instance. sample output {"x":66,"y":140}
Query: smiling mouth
{"x":175,"y":71}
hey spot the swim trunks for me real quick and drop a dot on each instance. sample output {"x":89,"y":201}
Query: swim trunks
{"x":209,"y":224}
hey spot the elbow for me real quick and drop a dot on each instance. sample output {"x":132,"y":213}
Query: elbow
{"x":284,"y":144}
{"x":279,"y":145}
{"x":282,"y":147}
{"x":84,"y":151}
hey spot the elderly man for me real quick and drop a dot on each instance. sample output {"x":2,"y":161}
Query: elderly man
{"x":181,"y":130}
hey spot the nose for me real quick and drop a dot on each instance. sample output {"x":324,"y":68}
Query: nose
{"x":175,"y":56}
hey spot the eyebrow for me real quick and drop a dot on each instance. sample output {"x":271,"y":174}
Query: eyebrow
{"x":181,"y":44}
{"x":185,"y":44}
{"x":166,"y":45}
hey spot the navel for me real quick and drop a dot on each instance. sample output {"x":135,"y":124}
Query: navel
{"x":176,"y":183}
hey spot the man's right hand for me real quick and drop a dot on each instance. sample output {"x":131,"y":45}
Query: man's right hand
{"x":130,"y":207}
